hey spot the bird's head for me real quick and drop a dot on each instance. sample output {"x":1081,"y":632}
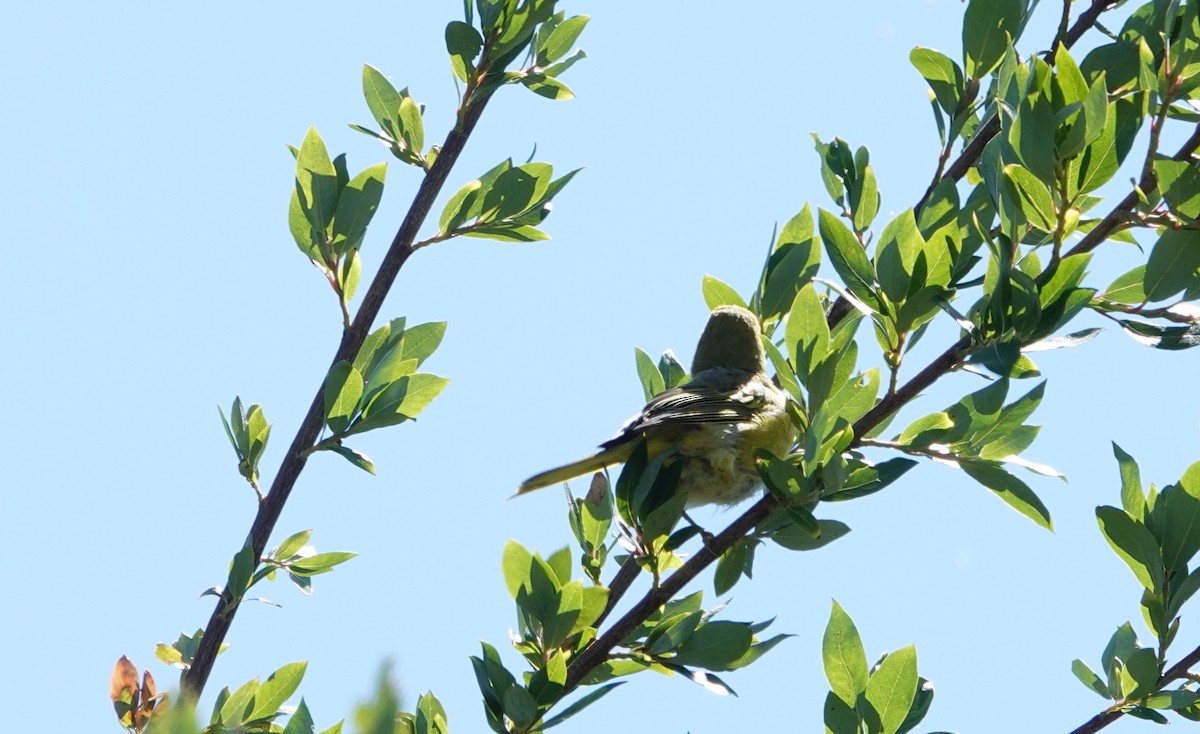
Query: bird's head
{"x":731,"y":339}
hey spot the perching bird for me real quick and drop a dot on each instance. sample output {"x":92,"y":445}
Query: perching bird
{"x":716,"y":420}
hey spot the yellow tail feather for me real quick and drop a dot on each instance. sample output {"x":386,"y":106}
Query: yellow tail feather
{"x":596,"y":462}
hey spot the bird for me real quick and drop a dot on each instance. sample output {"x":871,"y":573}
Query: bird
{"x":715,"y":422}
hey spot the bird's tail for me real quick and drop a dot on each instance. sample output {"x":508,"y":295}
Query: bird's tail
{"x":595,"y":462}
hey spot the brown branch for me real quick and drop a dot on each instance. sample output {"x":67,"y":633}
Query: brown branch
{"x":1177,"y":671}
{"x":625,"y":577}
{"x":195,"y":677}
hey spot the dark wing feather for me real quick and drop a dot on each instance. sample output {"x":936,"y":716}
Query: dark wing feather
{"x":714,"y":396}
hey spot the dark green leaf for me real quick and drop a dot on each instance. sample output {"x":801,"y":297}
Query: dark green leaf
{"x":1135,"y":544}
{"x":354,"y":457}
{"x":463,"y":43}
{"x":580,"y":704}
{"x":1174,"y":264}
{"x":356,"y":206}
{"x":1031,"y":196}
{"x":847,"y":256}
{"x":1170,"y":338}
{"x":343,"y":392}
{"x":715,"y":645}
{"x":794,"y":537}
{"x":1179,"y":531}
{"x":1013,"y":491}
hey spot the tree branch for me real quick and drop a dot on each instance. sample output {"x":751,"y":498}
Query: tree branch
{"x":269,"y":510}
{"x":1177,"y":671}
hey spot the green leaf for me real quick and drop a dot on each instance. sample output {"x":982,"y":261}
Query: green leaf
{"x":1099,"y":161}
{"x":316,"y":182}
{"x":356,"y":206}
{"x":516,"y":562}
{"x":343,"y":392}
{"x":1140,"y":674}
{"x":1179,"y":530}
{"x":730,"y":567}
{"x":508,"y":233}
{"x":548,"y":87}
{"x":1171,"y":338}
{"x":673,"y":373}
{"x":1031,"y":196}
{"x":400,"y":401}
{"x":276,"y":690}
{"x":580,"y":704}
{"x":1173,"y":265}
{"x":1133,"y":497}
{"x":794,"y":537}
{"x":868,"y":479}
{"x":1031,"y":133}
{"x":672,"y":632}
{"x":864,"y":200}
{"x":1013,"y":491}
{"x":1179,"y":182}
{"x":292,"y":544}
{"x":896,"y":255}
{"x":514,"y":190}
{"x":382,"y":99}
{"x":233,"y":711}
{"x":944,"y":76}
{"x":354,"y":457}
{"x":1135,"y":544}
{"x":807,"y":333}
{"x":520,"y":706}
{"x":455,"y":213}
{"x":989,"y":26}
{"x":844,"y":658}
{"x":562,"y":39}
{"x":891,"y":688}
{"x":648,"y":374}
{"x":463,"y":43}
{"x":791,"y":265}
{"x":422,"y":340}
{"x":716,"y":645}
{"x":320,"y":563}
{"x":301,"y":722}
{"x":412,"y":128}
{"x":848,"y":257}
{"x":241,"y":569}
{"x":717,"y":293}
{"x":1089,"y":678}
{"x":840,"y":717}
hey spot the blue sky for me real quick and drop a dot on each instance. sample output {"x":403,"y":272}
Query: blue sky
{"x":151,"y":276}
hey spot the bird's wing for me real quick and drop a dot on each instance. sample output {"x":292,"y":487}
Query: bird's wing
{"x":714,"y":396}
